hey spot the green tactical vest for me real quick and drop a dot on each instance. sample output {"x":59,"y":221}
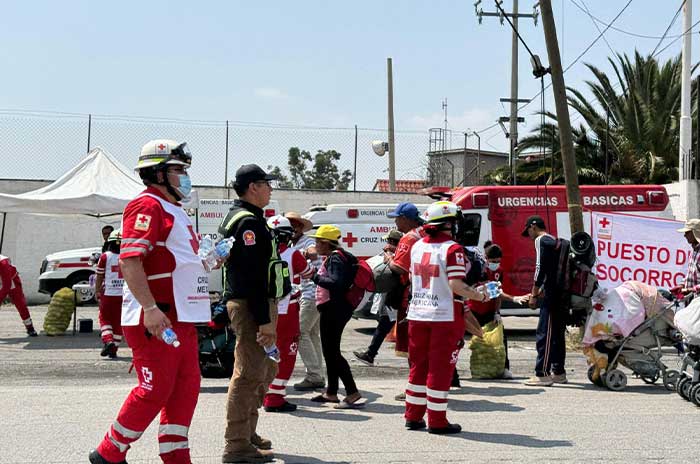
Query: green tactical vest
{"x":279,"y":283}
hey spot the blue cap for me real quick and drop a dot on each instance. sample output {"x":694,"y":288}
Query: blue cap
{"x":407,"y":210}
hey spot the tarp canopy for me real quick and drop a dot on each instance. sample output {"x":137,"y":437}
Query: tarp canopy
{"x":97,"y":186}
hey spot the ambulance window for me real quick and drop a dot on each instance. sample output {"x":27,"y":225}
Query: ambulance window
{"x":471,"y":227}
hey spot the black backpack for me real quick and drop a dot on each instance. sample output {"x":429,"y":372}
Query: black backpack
{"x":576,"y":277}
{"x":477,"y":271}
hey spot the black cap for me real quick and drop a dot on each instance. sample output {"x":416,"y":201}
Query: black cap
{"x":251,"y":173}
{"x":533,"y":221}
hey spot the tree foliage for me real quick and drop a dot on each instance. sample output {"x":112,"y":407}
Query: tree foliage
{"x":319,"y":171}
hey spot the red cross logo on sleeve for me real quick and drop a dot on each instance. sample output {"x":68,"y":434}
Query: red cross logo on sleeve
{"x":349,"y":239}
{"x":425,"y":270}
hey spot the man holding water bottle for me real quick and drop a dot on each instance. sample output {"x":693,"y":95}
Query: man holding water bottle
{"x":165,"y":293}
{"x":252,"y":307}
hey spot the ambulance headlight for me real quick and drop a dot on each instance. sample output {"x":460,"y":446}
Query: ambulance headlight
{"x":52,"y":265}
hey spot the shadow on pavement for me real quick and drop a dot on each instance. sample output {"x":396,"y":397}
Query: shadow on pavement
{"x":327,"y":414}
{"x":656,"y":389}
{"x":214,"y":389}
{"x":482,"y":406}
{"x":58,"y":342}
{"x":291,"y":459}
{"x":495,"y":391}
{"x":514,"y":439}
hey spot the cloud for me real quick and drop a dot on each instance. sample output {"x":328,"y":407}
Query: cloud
{"x":271,"y":93}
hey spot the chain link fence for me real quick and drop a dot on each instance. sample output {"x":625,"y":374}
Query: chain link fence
{"x":39,"y":145}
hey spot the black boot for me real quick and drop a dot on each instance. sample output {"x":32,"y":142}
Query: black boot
{"x":415,"y":425}
{"x":455,"y":379}
{"x":96,"y":458}
{"x":450,"y":429}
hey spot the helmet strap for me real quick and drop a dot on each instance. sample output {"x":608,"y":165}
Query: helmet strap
{"x":166,"y":183}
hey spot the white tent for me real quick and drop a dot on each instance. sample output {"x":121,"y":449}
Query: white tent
{"x":99,"y":185}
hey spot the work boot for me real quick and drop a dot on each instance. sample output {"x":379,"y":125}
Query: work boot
{"x":113,"y":351}
{"x":96,"y":458}
{"x":31,"y":332}
{"x":248,"y":454}
{"x":260,"y":442}
{"x":450,"y":429}
{"x":284,"y":407}
{"x":415,"y":425}
{"x":308,"y":385}
{"x":106,"y":349}
{"x":365,"y":357}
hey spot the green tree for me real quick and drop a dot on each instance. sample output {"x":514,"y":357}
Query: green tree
{"x":319,"y":171}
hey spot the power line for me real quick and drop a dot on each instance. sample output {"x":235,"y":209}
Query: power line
{"x":597,"y":27}
{"x":670,"y":25}
{"x":676,"y":39}
{"x":633,"y":34}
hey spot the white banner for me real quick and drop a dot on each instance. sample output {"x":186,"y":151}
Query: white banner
{"x":639,"y":248}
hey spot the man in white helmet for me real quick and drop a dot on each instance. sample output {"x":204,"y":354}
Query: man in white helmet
{"x":436,"y":318}
{"x":287,"y":316}
{"x":165,"y":286}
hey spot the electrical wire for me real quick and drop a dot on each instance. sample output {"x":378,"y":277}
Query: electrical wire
{"x":670,"y":25}
{"x":597,"y":27}
{"x":676,"y":39}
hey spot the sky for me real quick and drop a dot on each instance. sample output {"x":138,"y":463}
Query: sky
{"x":303,"y":63}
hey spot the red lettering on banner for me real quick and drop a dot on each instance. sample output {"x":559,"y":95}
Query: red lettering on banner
{"x":615,"y":275}
{"x":681,"y":257}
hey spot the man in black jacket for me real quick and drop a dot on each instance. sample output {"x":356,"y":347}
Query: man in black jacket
{"x":253,"y":315}
{"x":551,"y":328}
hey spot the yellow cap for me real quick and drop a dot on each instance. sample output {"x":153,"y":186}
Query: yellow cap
{"x":327,"y":232}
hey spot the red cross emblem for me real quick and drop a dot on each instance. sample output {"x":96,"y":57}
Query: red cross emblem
{"x":116,"y":269}
{"x":276,"y":222}
{"x":425,"y":270}
{"x":604,"y":222}
{"x":349,"y":239}
{"x":161,"y":147}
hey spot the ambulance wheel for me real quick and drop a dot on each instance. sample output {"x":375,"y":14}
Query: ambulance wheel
{"x":670,"y":380}
{"x":83,"y":278}
{"x":683,"y":388}
{"x":615,"y":380}
{"x":599,"y":381}
{"x":695,"y":394}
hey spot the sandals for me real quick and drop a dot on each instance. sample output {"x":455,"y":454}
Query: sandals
{"x":345,"y":405}
{"x":323,"y":399}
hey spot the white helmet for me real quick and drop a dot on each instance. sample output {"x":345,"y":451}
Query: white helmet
{"x":441,"y":212}
{"x":164,"y":151}
{"x":280,"y":223}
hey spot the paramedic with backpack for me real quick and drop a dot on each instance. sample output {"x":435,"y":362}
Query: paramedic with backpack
{"x":333,"y":279}
{"x":165,"y":287}
{"x":11,"y":284}
{"x":436,"y":318}
{"x":109,"y":285}
{"x":288,"y":316}
{"x":551,"y":328}
{"x":252,"y":311}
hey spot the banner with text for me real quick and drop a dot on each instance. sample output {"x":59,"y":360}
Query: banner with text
{"x":646,"y":249}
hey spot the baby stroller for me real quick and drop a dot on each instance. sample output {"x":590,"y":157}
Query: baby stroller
{"x":687,"y":320}
{"x":217,"y":343}
{"x":630,"y":327}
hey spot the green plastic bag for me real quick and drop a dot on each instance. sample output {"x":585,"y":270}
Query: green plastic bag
{"x":488,"y":358}
{"x":60,"y":312}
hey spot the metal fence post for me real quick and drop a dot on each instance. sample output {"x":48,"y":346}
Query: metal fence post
{"x":89,"y":131}
{"x":354,"y":172}
{"x":228,"y":193}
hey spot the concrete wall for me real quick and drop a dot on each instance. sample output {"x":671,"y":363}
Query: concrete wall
{"x":683,"y":197}
{"x":29,"y":238}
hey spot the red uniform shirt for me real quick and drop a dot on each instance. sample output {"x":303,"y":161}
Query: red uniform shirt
{"x":402,"y":256}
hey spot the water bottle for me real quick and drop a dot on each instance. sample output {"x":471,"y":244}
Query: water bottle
{"x":273,"y":353}
{"x":206,"y":252}
{"x":170,"y":337}
{"x":493,"y":289}
{"x":223,"y":248}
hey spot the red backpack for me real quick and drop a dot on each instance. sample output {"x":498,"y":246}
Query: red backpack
{"x":362,"y":286}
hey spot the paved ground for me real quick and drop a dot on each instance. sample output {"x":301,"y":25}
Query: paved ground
{"x":57,"y":398}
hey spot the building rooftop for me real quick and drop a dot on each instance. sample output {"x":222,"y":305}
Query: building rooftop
{"x":403,"y":185}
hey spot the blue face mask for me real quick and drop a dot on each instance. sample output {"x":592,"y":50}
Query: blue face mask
{"x":185,"y":187}
{"x":494,"y":266}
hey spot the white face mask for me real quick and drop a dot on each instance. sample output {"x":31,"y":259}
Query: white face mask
{"x":494,"y":266}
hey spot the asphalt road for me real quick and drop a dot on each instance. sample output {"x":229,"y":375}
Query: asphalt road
{"x":57,"y":398}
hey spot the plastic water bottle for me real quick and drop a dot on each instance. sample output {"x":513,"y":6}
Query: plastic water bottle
{"x":223,"y":248}
{"x":273,"y":352}
{"x":493,"y":289}
{"x":170,"y":337}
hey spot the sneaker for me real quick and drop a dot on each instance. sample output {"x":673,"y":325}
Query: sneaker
{"x":284,"y":407}
{"x":364,"y":357}
{"x":260,"y":442}
{"x":415,"y":425}
{"x":450,"y":429}
{"x":106,"y":349}
{"x":96,"y":458}
{"x":400,"y":397}
{"x":113,"y":351}
{"x":559,"y":378}
{"x":507,"y":374}
{"x":307,"y":385}
{"x":248,"y":454}
{"x":539,"y":382}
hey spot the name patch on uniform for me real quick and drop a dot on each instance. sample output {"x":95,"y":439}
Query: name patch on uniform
{"x":460,"y":258}
{"x":249,"y":237}
{"x":143,"y":222}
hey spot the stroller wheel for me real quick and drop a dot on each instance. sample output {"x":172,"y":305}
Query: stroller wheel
{"x":598,"y":381}
{"x":683,"y":388}
{"x":650,"y":380}
{"x":615,"y":380}
{"x":671,"y":378}
{"x":695,"y":394}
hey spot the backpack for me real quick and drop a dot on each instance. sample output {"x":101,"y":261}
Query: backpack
{"x":478,"y":265}
{"x":576,"y":277}
{"x":362,"y":285}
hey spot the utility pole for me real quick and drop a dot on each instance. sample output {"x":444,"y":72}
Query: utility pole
{"x":513,"y":100}
{"x":686,"y":126}
{"x":573,"y":195}
{"x":478,"y":157}
{"x":390,"y":104}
